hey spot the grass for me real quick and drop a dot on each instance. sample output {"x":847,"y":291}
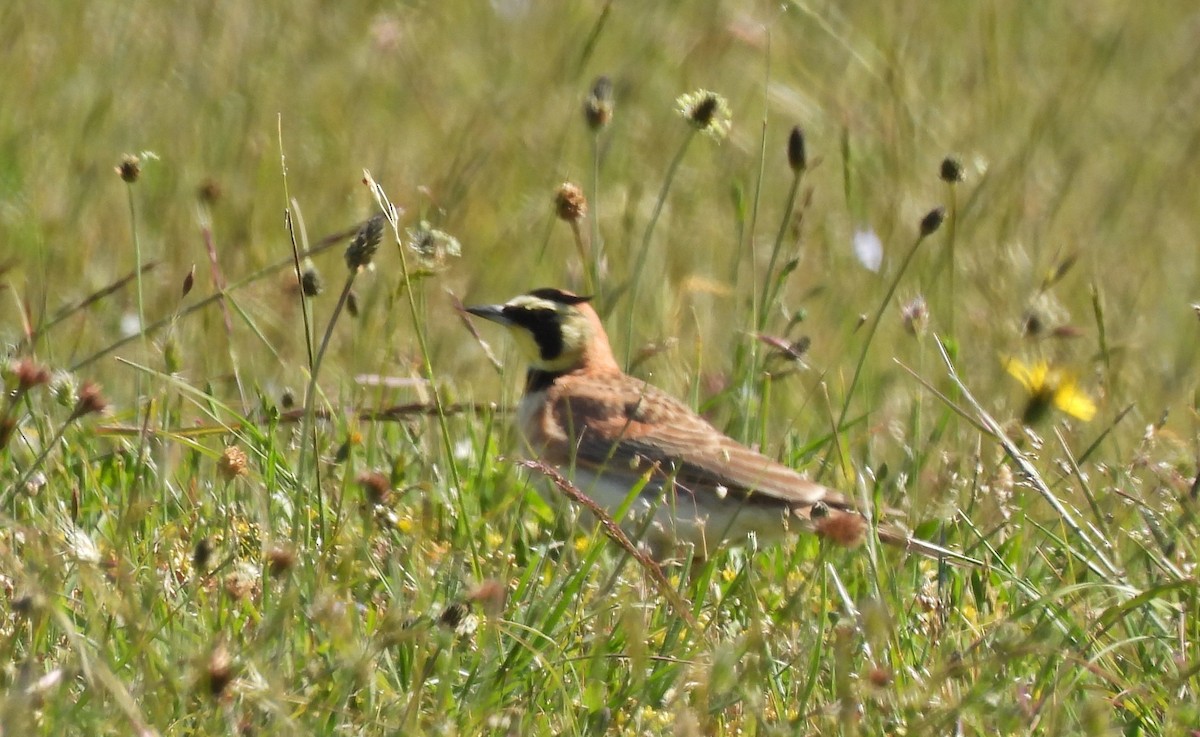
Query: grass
{"x":185,"y":563}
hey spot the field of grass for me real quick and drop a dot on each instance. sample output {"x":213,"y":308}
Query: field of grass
{"x":185,"y":550}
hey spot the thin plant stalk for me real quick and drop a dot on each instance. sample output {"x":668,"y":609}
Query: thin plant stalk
{"x":308,"y":343}
{"x":951,"y":241}
{"x":755,"y":297}
{"x":587,"y":261}
{"x":883,"y":304}
{"x":322,"y":245}
{"x":137,"y":257}
{"x":210,"y":247}
{"x":393,"y":218}
{"x":37,"y":462}
{"x":41,"y":330}
{"x":310,"y":399}
{"x":644,"y":250}
{"x":594,"y":220}
{"x":770,"y":289}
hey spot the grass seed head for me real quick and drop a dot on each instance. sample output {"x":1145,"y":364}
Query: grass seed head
{"x":951,"y":170}
{"x":64,"y":388}
{"x":189,"y":281}
{"x":129,"y":169}
{"x":932,"y":221}
{"x":311,"y":283}
{"x":797,"y":154}
{"x":208,"y":192}
{"x":172,"y":358}
{"x":707,"y":112}
{"x":361,"y":251}
{"x":598,"y":106}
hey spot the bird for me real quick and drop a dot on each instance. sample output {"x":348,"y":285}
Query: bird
{"x":610,"y":434}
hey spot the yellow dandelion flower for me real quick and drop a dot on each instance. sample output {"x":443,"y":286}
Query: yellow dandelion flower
{"x":1049,"y":386}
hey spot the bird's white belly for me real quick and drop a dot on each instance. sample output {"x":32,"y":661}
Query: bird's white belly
{"x":678,"y":518}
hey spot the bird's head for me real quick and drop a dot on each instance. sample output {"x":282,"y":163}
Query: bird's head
{"x":556,"y":330}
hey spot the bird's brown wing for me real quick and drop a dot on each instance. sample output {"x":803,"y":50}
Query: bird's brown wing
{"x":620,"y":425}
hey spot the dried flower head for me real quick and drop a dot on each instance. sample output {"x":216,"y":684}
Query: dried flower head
{"x":377,"y":487}
{"x":454,"y":614}
{"x":570,"y":203}
{"x":951,"y":170}
{"x":311,"y":283}
{"x":796,"y":154}
{"x":280,"y":559}
{"x":879,"y":677}
{"x":491,"y":595}
{"x":932,"y":221}
{"x":915,"y":315}
{"x":840,"y":528}
{"x":362,"y":248}
{"x":202,"y":554}
{"x":232,"y":463}
{"x":90,"y":402}
{"x":432,"y":246}
{"x":241,"y":582}
{"x":129,"y":169}
{"x":1048,"y":387}
{"x":598,"y":107}
{"x":218,"y":670}
{"x":707,"y":112}
{"x":27,"y":374}
{"x":208,"y":192}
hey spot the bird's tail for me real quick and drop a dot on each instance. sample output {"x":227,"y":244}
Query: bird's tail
{"x":899,"y":538}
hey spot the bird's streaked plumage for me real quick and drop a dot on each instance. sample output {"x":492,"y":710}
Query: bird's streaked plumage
{"x":610,"y":433}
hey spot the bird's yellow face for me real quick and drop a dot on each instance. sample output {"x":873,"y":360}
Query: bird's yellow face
{"x":551,"y":331}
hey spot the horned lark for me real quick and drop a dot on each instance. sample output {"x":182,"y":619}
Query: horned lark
{"x":611,"y":433}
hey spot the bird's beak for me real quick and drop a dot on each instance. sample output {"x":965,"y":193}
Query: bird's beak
{"x":495,"y":313}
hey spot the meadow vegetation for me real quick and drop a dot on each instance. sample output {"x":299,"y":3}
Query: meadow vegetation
{"x":245,"y":490}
